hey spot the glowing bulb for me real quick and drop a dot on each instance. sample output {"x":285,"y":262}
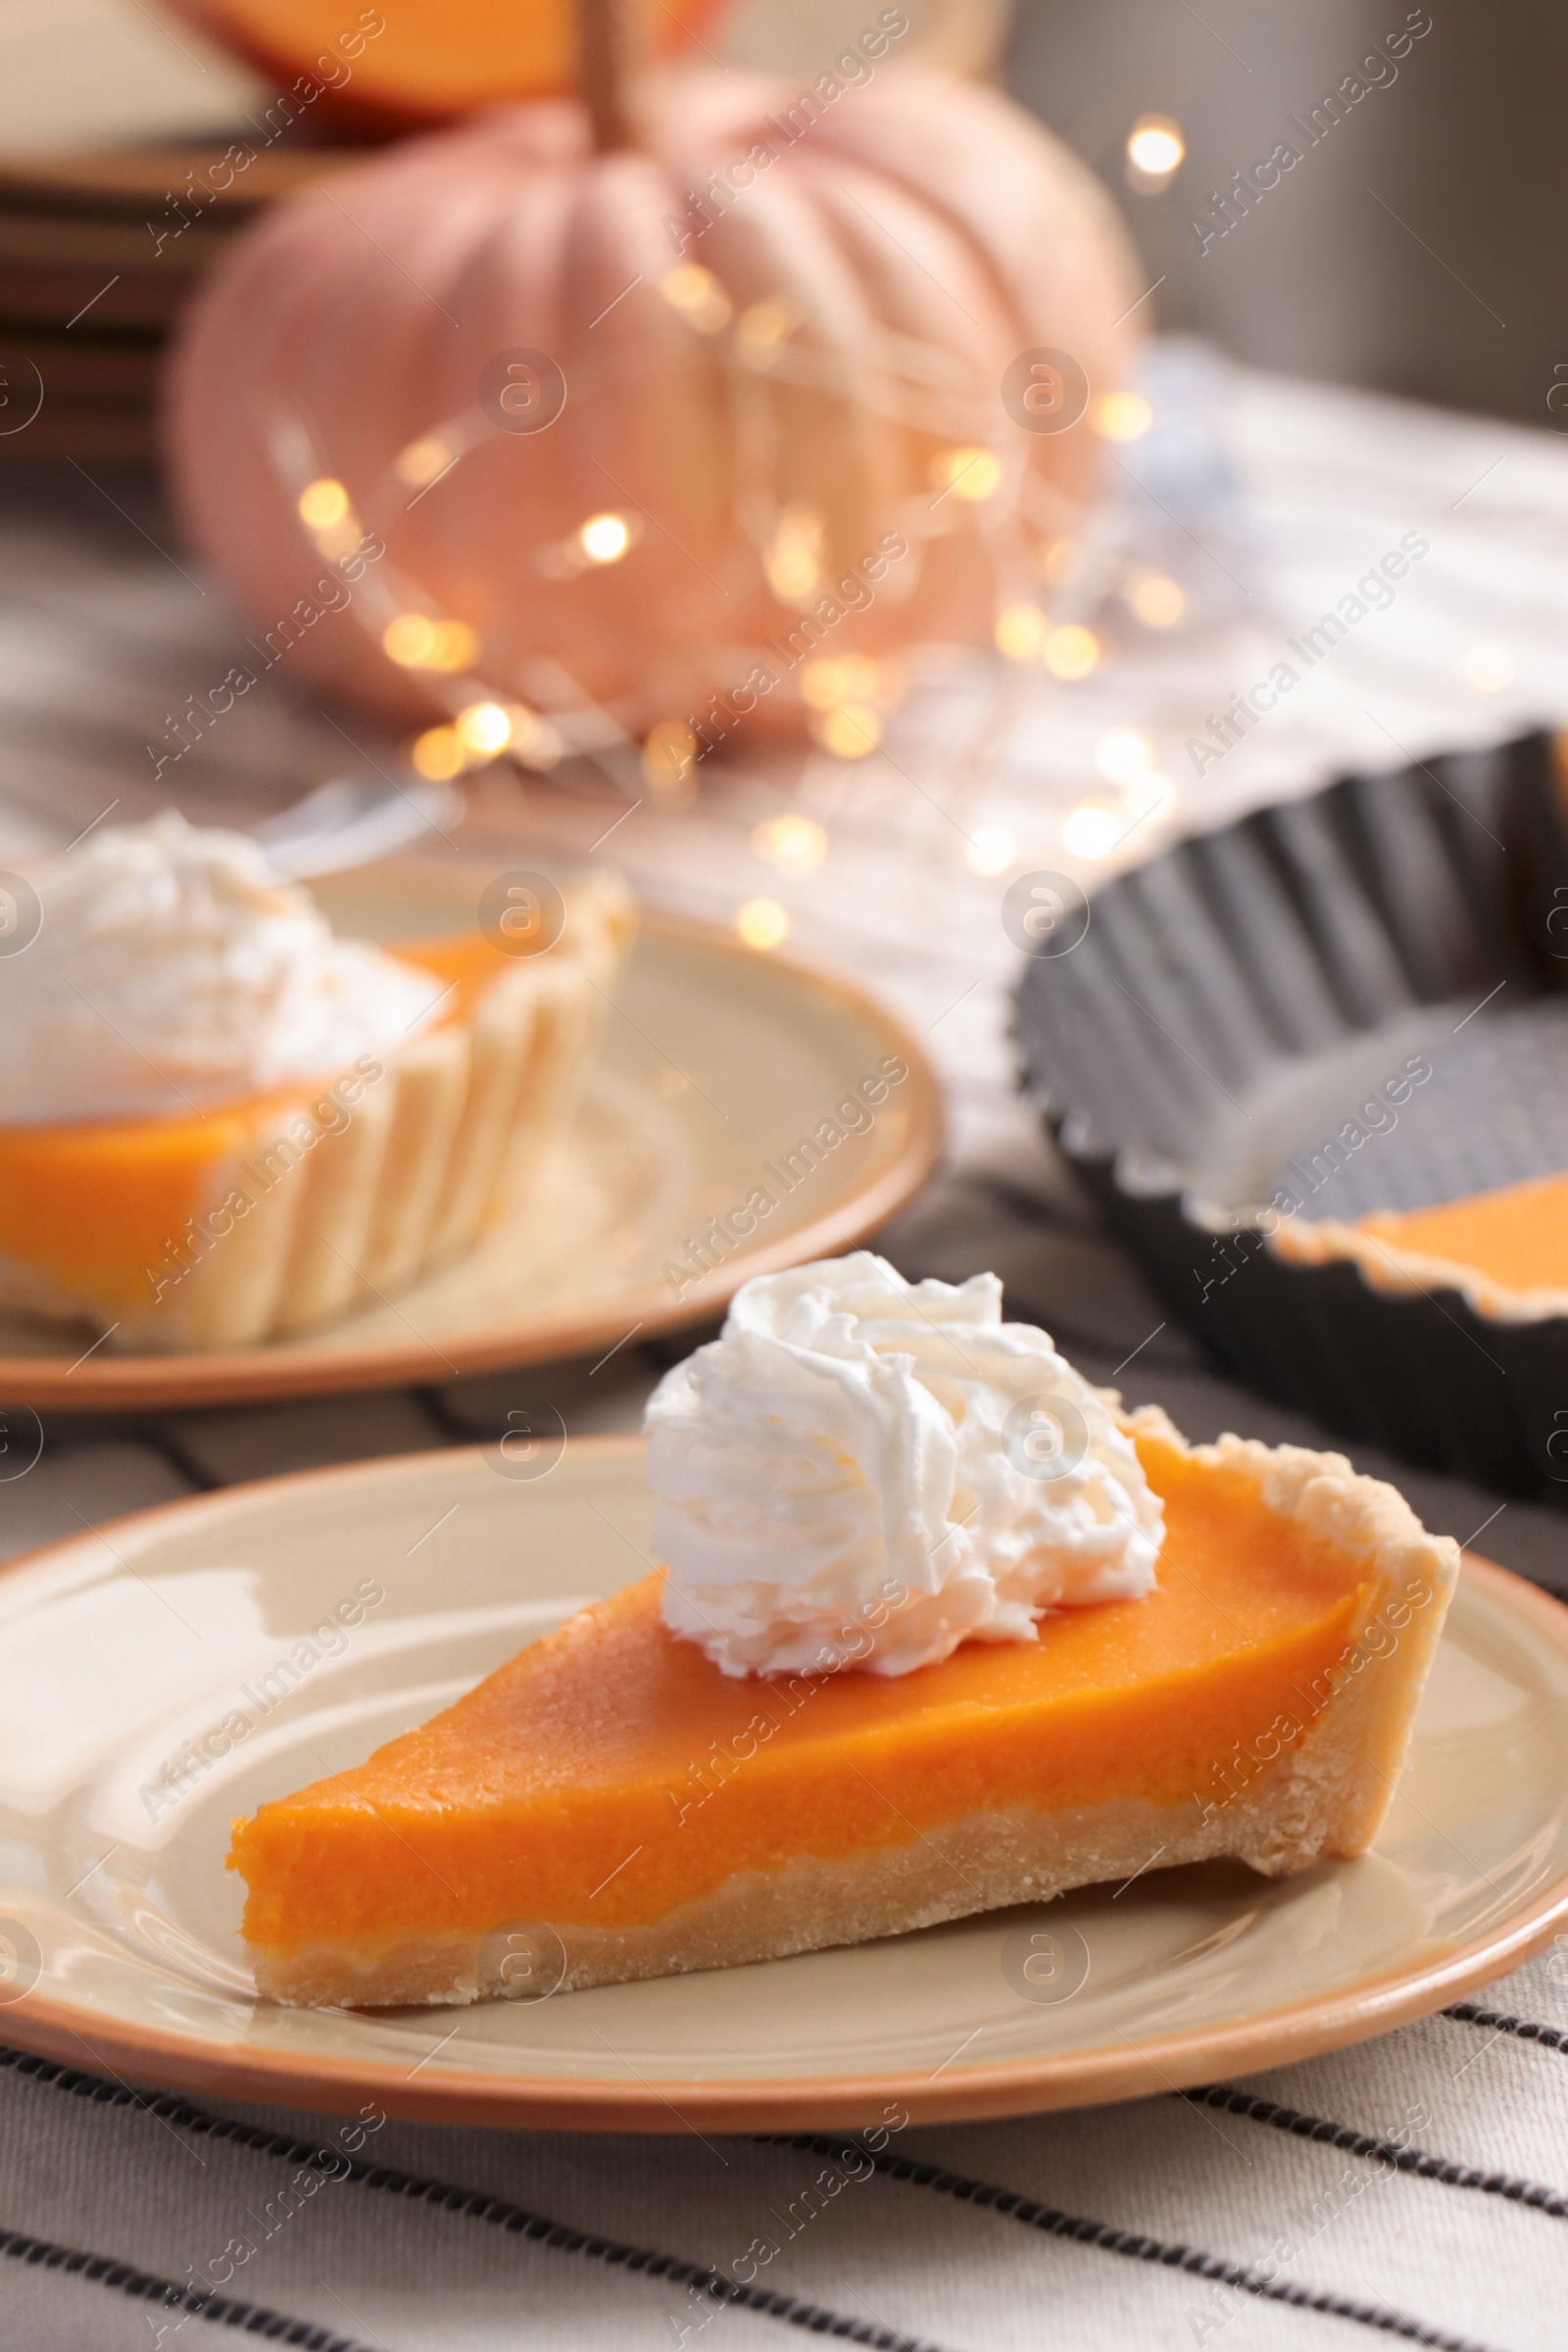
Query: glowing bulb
{"x":669,"y":751}
{"x":1021,"y":631}
{"x":439,"y":754}
{"x":408,"y":640}
{"x":1487,"y":667}
{"x":828,"y":684}
{"x":416,"y":642}
{"x":697,"y":296}
{"x":850,"y":734}
{"x":484,"y":728}
{"x":974,"y":474}
{"x":1090,"y":830}
{"x":990,"y":851}
{"x":762,"y":331}
{"x":762,"y":923}
{"x":791,"y":573}
{"x":793,"y":562}
{"x":1122,"y":753}
{"x":1155,"y":148}
{"x":605,"y":538}
{"x":324,"y":503}
{"x":454,"y":646}
{"x":1157,"y":601}
{"x":421,"y":461}
{"x":1071,"y":652}
{"x":1122,"y":417}
{"x":796,"y":845}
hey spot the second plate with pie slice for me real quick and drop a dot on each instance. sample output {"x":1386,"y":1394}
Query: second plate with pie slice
{"x":725,"y":1073}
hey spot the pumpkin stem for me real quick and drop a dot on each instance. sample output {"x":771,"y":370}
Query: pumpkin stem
{"x":604,"y":60}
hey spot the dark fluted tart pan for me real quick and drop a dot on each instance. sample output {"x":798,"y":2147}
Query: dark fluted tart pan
{"x":1353,"y":1002}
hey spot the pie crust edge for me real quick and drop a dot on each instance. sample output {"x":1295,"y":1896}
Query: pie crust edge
{"x":1394,"y":1271}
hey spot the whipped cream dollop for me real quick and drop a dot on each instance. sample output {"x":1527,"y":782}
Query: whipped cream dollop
{"x":861,"y":1470}
{"x":172,"y":969}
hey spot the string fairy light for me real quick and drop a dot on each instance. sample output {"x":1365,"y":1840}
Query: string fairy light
{"x":762,"y":923}
{"x":1121,"y":415}
{"x":605,"y":538}
{"x":1021,"y":631}
{"x":850,"y":732}
{"x":323,"y":503}
{"x":1156,"y":149}
{"x":1122,"y":752}
{"x":1071,"y":652}
{"x":990,"y":851}
{"x":972,"y":475}
{"x":696,"y":293}
{"x":414,"y":641}
{"x":1157,"y":601}
{"x":438,"y":754}
{"x":795,"y":843}
{"x":424,"y":461}
{"x":669,"y":761}
{"x":1092,"y":829}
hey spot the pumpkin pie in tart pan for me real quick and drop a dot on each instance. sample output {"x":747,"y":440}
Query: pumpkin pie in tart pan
{"x":1314,"y":1068}
{"x":221,"y":1124}
{"x":1505,"y":1251}
{"x":935,"y":1629}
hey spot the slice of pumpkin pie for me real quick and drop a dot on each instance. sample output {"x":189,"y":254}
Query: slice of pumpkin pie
{"x":939,"y":1630}
{"x":223,"y":1124}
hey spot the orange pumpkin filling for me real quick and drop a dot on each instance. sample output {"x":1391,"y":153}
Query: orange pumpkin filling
{"x":96,"y":1205}
{"x":609,"y":1773}
{"x":96,"y":1202}
{"x":1518,"y":1236}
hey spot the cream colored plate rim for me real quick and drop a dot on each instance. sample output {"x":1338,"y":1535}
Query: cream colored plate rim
{"x":134,"y":1383}
{"x":1248,"y":2042}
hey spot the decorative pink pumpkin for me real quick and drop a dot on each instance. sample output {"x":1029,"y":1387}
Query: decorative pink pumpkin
{"x":650,"y":431}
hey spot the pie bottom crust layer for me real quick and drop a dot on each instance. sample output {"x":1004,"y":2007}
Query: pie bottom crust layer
{"x":1323,"y":1792}
{"x":983,"y":1862}
{"x":290,"y":1211}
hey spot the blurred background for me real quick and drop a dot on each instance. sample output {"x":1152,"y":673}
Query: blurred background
{"x":1341,"y":353}
{"x":1411,"y":251}
{"x":1355,"y":354}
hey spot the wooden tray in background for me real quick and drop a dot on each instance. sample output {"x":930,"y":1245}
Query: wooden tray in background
{"x":88,"y":293}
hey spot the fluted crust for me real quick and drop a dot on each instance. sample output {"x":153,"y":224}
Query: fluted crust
{"x":440,"y":1142}
{"x":1389,"y":1268}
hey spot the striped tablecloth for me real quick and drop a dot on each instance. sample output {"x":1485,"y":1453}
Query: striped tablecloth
{"x":1415,"y":2186}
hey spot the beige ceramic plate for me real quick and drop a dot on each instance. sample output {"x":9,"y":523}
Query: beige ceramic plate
{"x":717,"y":1062}
{"x":116,"y":1649}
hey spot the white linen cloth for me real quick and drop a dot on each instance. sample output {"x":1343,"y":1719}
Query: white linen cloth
{"x":1419,"y":2178}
